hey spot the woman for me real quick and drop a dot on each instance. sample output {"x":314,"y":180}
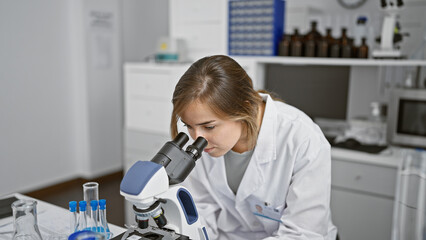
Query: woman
{"x":265,"y":173}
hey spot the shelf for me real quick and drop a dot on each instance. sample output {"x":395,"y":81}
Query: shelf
{"x":332,"y":61}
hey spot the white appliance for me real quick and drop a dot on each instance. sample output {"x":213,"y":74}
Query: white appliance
{"x":407,"y":117}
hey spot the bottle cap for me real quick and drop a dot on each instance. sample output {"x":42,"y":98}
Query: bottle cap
{"x":82,"y":205}
{"x":362,"y":19}
{"x":94,"y":204}
{"x":102,"y":204}
{"x":73,"y":206}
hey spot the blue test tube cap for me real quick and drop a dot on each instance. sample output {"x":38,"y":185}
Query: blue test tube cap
{"x":102,"y":204}
{"x":82,"y":205}
{"x":94,"y":205}
{"x":73,"y":206}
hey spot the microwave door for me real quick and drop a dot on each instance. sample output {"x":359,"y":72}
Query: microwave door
{"x":407,"y":117}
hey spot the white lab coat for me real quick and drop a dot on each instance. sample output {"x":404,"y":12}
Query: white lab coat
{"x":289,"y":169}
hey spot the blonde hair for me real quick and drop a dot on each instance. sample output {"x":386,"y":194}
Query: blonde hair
{"x":221,"y":83}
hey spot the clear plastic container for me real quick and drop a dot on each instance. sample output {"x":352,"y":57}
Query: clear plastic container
{"x":410,"y":199}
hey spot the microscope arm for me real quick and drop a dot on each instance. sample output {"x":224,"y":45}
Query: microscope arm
{"x":143,"y":181}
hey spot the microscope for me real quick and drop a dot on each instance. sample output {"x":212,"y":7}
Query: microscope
{"x":151,"y":187}
{"x":390,"y":31}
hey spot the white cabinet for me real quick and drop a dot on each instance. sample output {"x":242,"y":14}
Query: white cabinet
{"x":148,"y":107}
{"x":148,"y":94}
{"x":363,"y":177}
{"x":362,"y":195}
{"x":361,"y":216}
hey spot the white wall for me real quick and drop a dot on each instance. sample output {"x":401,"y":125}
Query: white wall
{"x":103,"y":48}
{"x":36,"y":127}
{"x":60,"y":115}
{"x":144,"y":22}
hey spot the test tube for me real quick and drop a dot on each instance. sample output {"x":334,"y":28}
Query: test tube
{"x":73,"y":215}
{"x":103,"y":220}
{"x":82,"y":218}
{"x":92,"y":223}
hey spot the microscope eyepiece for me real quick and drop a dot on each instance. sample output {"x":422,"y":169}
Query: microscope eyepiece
{"x":200,"y":143}
{"x":197,"y":147}
{"x":181,"y":139}
{"x":178,"y":162}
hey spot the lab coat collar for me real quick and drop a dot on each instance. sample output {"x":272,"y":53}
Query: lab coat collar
{"x":264,"y":152}
{"x":267,"y":134}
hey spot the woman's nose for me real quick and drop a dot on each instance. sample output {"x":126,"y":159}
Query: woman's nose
{"x":198,"y":133}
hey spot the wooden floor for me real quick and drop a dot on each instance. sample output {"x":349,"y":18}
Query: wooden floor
{"x":109,"y":189}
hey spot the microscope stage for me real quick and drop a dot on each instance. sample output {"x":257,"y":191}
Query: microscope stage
{"x":150,"y":233}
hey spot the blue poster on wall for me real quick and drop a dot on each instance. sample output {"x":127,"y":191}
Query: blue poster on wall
{"x":255,"y":27}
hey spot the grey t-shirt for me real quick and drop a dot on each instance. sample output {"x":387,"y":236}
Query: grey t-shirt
{"x":235,"y":165}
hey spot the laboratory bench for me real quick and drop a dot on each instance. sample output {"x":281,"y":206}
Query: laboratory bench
{"x":51,"y":220}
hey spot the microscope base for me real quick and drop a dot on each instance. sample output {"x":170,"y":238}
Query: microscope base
{"x":149,"y":234}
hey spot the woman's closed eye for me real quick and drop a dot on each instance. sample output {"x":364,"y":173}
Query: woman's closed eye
{"x":208,"y":127}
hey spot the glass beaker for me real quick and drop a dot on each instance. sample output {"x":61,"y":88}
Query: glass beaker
{"x":91,"y":191}
{"x":25,"y":220}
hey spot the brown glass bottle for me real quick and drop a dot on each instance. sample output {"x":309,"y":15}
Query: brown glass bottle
{"x":312,"y":39}
{"x":355,"y":49}
{"x":363,"y":49}
{"x":335,"y":49}
{"x":284,"y":45}
{"x":324,"y":46}
{"x":345,"y":45}
{"x":296,"y":45}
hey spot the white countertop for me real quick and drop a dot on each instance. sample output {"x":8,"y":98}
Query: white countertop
{"x":51,"y":219}
{"x":390,"y":157}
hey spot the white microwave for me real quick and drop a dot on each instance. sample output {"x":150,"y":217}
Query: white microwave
{"x":407,"y":117}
